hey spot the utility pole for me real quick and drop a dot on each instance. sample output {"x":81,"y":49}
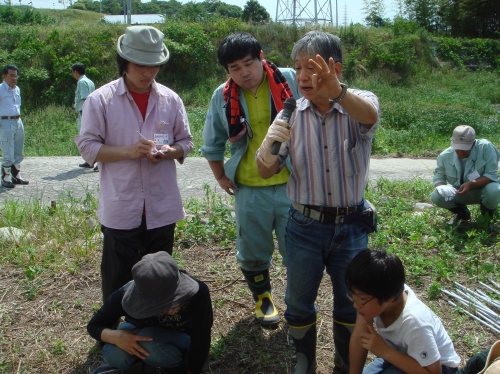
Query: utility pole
{"x":129,"y":12}
{"x":336,"y":14}
{"x":345,"y":15}
{"x":304,"y":11}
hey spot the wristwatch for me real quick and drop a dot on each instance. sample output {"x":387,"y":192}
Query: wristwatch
{"x":342,"y":94}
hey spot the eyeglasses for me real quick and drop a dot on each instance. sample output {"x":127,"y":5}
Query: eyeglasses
{"x":349,"y":296}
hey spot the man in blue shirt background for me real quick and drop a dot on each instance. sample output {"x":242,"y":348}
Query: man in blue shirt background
{"x":11,"y":128}
{"x":84,"y":88}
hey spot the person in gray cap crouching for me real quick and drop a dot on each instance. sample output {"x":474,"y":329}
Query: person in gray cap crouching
{"x":470,"y":166}
{"x":168,"y":320}
{"x":135,"y":128}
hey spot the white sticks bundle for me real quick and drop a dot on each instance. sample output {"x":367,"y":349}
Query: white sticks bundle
{"x":477,"y":304}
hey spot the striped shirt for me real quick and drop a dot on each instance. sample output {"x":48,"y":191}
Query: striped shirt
{"x":330,"y":155}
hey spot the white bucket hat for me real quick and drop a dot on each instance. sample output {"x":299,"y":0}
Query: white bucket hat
{"x":143,"y":45}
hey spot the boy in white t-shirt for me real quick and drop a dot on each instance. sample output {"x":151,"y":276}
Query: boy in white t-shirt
{"x":392,"y":323}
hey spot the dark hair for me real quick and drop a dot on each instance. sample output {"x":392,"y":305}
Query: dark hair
{"x":78,"y":67}
{"x":237,"y":46}
{"x":376,"y":273}
{"x":6,"y":69}
{"x":318,"y":43}
{"x":122,"y":65}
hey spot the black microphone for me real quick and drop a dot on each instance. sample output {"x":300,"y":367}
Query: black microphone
{"x":290,"y":105}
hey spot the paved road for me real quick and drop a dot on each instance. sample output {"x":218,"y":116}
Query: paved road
{"x":52,"y":176}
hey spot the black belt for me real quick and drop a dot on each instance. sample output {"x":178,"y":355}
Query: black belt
{"x":326,"y":214}
{"x":10,"y":117}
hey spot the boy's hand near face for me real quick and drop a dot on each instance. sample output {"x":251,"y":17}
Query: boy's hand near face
{"x":372,"y":341}
{"x":365,"y":338}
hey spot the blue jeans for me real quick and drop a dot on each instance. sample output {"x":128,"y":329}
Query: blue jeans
{"x":11,"y":141}
{"x":166,"y":350}
{"x":379,"y":366}
{"x":312,"y":246}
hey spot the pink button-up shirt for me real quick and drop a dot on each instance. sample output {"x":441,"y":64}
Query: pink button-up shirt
{"x":110,"y":116}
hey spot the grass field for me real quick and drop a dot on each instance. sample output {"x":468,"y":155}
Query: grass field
{"x":50,"y":278}
{"x":50,"y":281}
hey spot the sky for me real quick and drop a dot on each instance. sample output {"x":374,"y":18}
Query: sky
{"x":351,"y":8}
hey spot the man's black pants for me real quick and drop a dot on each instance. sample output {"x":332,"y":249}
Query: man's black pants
{"x":122,"y":249}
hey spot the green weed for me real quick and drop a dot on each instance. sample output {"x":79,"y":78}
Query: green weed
{"x":208,"y":220}
{"x":58,"y":347}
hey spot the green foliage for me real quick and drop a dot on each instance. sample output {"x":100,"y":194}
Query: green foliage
{"x":374,"y":11}
{"x":471,"y":18}
{"x":253,"y":12}
{"x":419,"y":99}
{"x":434,"y":290}
{"x":480,"y":53}
{"x":58,"y":347}
{"x":404,"y":27}
{"x":190,"y":52}
{"x":425,"y":13}
{"x":22,"y":16}
{"x":430,"y":108}
{"x":426,"y":244}
{"x":207,"y":221}
{"x":50,"y":131}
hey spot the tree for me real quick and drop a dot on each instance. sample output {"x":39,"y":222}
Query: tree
{"x":374,"y":11}
{"x":424,"y":13}
{"x":112,"y":7}
{"x":90,"y":5}
{"x":222,"y":9}
{"x":193,"y":12}
{"x":148,"y":8}
{"x":472,"y":18}
{"x":255,"y":13}
{"x":171,"y":8}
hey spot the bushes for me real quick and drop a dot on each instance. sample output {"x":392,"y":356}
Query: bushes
{"x":44,"y":53}
{"x":475,"y":53}
{"x":22,"y":15}
{"x":191,"y":53}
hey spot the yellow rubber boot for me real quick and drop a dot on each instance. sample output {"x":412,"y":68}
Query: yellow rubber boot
{"x":265,"y":311}
{"x":260,"y":285}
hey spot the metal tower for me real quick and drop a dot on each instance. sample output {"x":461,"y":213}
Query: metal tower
{"x":304,"y":11}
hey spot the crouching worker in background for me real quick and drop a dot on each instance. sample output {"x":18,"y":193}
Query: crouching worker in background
{"x":392,"y":323}
{"x":168,"y":320}
{"x":470,"y":166}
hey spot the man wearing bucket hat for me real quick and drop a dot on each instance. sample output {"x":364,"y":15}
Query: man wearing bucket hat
{"x":168,"y":320}
{"x":140,"y":201}
{"x":470,"y":167}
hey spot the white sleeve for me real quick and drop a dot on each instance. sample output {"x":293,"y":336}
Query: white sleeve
{"x":422,"y":345}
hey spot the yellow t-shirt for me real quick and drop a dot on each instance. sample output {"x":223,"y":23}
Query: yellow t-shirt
{"x":259,"y":117}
